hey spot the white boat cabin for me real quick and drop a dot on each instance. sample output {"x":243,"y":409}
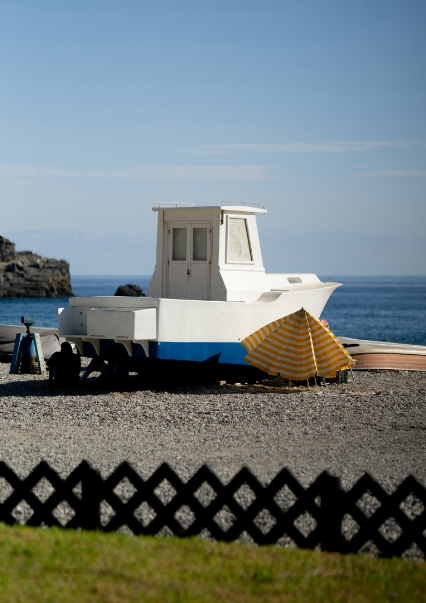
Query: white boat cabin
{"x":212,"y":253}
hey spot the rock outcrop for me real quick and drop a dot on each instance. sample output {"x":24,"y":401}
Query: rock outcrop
{"x":26,"y":274}
{"x":130,"y":291}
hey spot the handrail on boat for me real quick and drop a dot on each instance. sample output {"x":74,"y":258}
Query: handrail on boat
{"x":223,"y":204}
{"x":262,"y":205}
{"x":176,"y":204}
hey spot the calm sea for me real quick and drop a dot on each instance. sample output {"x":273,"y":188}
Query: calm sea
{"x":376,"y":308}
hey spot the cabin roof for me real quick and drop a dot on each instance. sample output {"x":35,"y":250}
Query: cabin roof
{"x":245,"y":208}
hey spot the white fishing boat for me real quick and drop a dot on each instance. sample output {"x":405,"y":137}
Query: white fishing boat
{"x":209,"y":291}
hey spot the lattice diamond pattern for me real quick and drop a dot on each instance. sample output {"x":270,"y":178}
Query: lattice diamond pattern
{"x":22,"y":512}
{"x":205,"y":494}
{"x":5,"y":490}
{"x":244,"y":496}
{"x":145,"y":514}
{"x":125,"y":489}
{"x":106,"y":513}
{"x":390,"y":529}
{"x":368,"y":504}
{"x":185,"y":517}
{"x":43,"y":489}
{"x":364,"y":518}
{"x":305,"y":523}
{"x":265,"y":521}
{"x":349,"y":526}
{"x":63,"y":513}
{"x":412,"y":506}
{"x":285,"y":498}
{"x":165,"y":491}
{"x":224,"y":518}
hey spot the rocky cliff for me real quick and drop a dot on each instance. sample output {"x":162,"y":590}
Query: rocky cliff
{"x":26,"y":274}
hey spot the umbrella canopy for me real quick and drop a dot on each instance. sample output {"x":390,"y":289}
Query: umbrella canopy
{"x":297,"y":347}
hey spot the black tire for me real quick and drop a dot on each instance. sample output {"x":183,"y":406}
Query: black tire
{"x":118,"y":365}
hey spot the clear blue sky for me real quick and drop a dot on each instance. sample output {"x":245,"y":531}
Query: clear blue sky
{"x":316,"y":109}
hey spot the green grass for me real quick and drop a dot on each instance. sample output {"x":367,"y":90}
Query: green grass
{"x":60,"y":566}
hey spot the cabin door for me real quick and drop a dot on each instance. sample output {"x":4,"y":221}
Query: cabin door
{"x":189,"y":254}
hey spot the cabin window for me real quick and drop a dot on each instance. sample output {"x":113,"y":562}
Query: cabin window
{"x":238,"y":241}
{"x":293,"y":280}
{"x":199,"y":244}
{"x":179,"y":244}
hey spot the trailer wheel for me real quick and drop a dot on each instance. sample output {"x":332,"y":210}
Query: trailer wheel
{"x":118,"y":365}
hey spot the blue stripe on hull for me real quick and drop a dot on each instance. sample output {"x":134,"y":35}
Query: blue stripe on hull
{"x":204,"y":351}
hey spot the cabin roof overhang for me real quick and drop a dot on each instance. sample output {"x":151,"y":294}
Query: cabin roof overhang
{"x":243,"y":209}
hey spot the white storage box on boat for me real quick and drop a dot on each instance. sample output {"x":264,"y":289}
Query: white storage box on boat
{"x":122,"y":324}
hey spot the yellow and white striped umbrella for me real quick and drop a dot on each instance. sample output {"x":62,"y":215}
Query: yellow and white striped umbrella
{"x":297,"y":347}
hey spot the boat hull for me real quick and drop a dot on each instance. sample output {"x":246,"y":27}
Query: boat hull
{"x":182,"y":330}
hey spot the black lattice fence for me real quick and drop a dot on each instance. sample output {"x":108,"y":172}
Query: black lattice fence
{"x":322,"y":515}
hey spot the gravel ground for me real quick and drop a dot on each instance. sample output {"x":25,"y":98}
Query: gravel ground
{"x":306,"y":430}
